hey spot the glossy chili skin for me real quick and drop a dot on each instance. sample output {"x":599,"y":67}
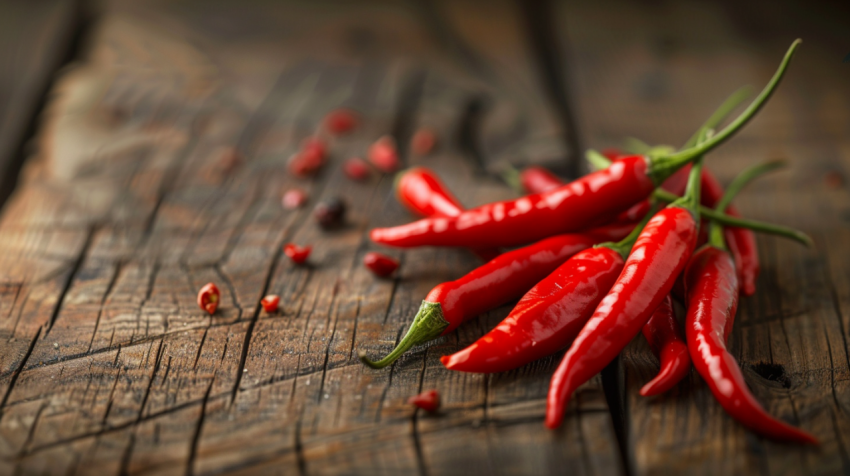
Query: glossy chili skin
{"x":740,"y":241}
{"x":664,"y":335}
{"x":712,"y":288}
{"x":547,"y":318}
{"x":504,"y":278}
{"x":536,"y":179}
{"x":422,"y":192}
{"x":658,"y":256}
{"x":592,"y":199}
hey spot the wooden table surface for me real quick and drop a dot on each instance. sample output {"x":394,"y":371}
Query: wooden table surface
{"x":125,"y":206}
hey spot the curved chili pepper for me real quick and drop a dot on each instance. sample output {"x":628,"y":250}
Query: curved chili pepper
{"x":551,"y":314}
{"x":664,"y":335}
{"x":712,"y":286}
{"x":422,"y":192}
{"x":547,"y":318}
{"x":592,"y":199}
{"x":660,"y":253}
{"x":503,"y":279}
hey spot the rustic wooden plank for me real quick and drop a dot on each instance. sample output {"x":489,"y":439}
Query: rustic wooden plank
{"x":654,"y":75}
{"x":129,"y":179}
{"x":36,"y":38}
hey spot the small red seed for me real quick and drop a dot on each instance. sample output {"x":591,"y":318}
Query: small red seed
{"x":356,"y":169}
{"x":340,"y":121}
{"x":380,"y":264}
{"x":428,"y":401}
{"x":208,"y":298}
{"x":294,"y":198}
{"x":270,"y":302}
{"x":423,"y":141}
{"x":383,"y":155}
{"x":296,"y":253}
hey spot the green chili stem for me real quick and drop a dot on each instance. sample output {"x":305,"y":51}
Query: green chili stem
{"x":729,"y":105}
{"x":511,"y":176}
{"x":754,"y":225}
{"x":663,"y":167}
{"x":426,"y":326}
{"x":690,"y":200}
{"x":597,"y":160}
{"x":624,"y":246}
{"x":715,"y":235}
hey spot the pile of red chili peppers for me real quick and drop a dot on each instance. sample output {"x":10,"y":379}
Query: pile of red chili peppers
{"x":601,"y":260}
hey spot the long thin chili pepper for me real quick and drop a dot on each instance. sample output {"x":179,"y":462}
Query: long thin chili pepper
{"x":592,"y":199}
{"x":664,"y":335}
{"x":660,"y":253}
{"x":422,"y":192}
{"x":551,"y":314}
{"x":503,"y":279}
{"x":712,"y":288}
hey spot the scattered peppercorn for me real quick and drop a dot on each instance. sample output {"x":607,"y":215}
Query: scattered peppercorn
{"x":428,"y":401}
{"x":340,"y":121}
{"x":270,"y":302}
{"x":309,"y":159}
{"x":423,"y":141}
{"x":330,"y":213}
{"x":356,"y":169}
{"x":383,"y":155}
{"x":209,"y":297}
{"x":294,"y":198}
{"x":297,"y":254}
{"x":380,"y":264}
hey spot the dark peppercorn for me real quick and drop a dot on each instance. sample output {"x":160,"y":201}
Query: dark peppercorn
{"x":330,"y":213}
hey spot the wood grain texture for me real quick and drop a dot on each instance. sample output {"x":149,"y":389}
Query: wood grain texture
{"x":655,"y":72}
{"x":132,"y":202}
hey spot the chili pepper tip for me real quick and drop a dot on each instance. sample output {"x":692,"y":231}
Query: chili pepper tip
{"x":427,"y":325}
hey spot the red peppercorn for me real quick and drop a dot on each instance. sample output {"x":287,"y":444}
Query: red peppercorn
{"x":428,"y":401}
{"x":340,"y":121}
{"x":309,"y":159}
{"x":380,"y":264}
{"x":270,"y":302}
{"x":423,"y":141}
{"x":383,"y":155}
{"x":356,"y":169}
{"x":208,"y":298}
{"x":230,"y":159}
{"x":296,"y":253}
{"x":314,"y":144}
{"x":294,"y":198}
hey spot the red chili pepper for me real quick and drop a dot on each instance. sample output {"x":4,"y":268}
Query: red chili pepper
{"x":664,"y":335}
{"x":712,"y":287}
{"x":547,"y":318}
{"x":428,"y":401}
{"x":423,"y":141}
{"x":270,"y":302}
{"x":550,"y":315}
{"x":296,"y":253}
{"x":340,"y":121}
{"x":536,"y":179}
{"x":380,"y":264}
{"x":501,"y":280}
{"x":660,"y":253}
{"x":422,"y":192}
{"x":383,"y":155}
{"x":294,"y":198}
{"x":208,"y":298}
{"x":573,"y":207}
{"x":356,"y":169}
